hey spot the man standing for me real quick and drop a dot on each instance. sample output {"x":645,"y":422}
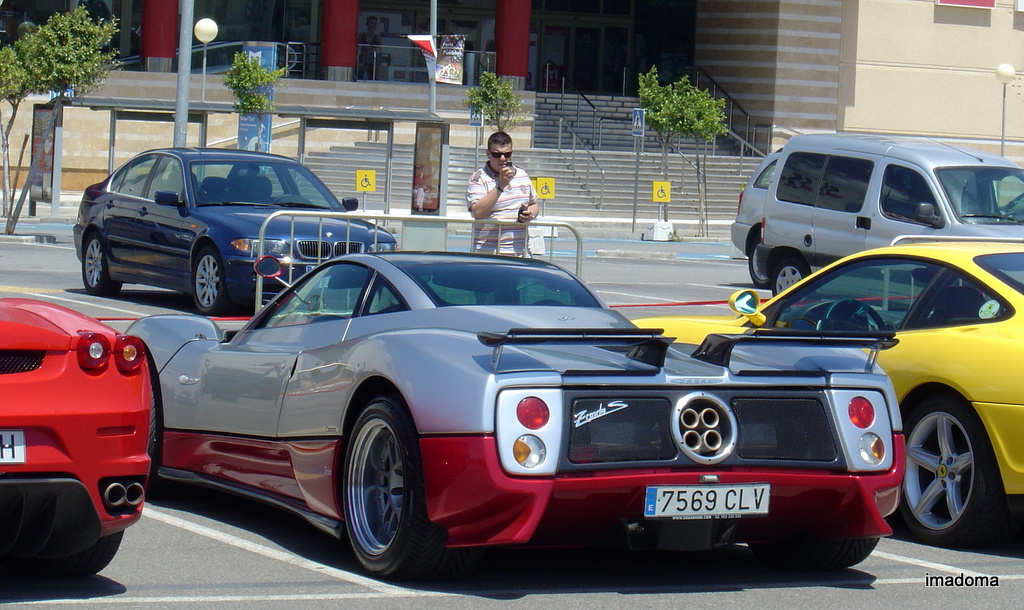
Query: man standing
{"x":500,"y":190}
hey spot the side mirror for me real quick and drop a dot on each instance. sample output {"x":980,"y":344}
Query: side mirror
{"x":746,"y":304}
{"x":269,"y":267}
{"x":351,"y":204}
{"x":926,"y":213}
{"x":167,"y":198}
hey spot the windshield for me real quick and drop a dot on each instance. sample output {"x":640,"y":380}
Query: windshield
{"x":490,"y":284}
{"x":260,"y":183}
{"x":984,"y":195}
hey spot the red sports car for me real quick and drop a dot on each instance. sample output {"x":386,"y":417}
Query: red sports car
{"x":74,"y":430}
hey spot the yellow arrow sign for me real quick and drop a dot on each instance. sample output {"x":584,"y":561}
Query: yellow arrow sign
{"x":545,"y":188}
{"x":661,"y":192}
{"x":366,"y":180}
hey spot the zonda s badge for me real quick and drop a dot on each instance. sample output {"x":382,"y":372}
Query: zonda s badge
{"x":585,"y":417}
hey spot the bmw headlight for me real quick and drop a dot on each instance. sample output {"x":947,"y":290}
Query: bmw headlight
{"x":382,"y":246}
{"x":250,"y":247}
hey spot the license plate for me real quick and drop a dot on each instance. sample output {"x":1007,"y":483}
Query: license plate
{"x":706,"y":501}
{"x":12,"y":447}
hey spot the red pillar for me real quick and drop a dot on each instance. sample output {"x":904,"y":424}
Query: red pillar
{"x":339,"y":23}
{"x":159,"y":34}
{"x":512,"y":38}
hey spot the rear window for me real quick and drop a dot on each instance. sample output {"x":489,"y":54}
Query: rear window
{"x":831,"y":182}
{"x":1008,"y":267}
{"x":493,"y":284}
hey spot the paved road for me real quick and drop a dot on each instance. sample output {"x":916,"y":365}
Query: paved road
{"x":200,"y":548}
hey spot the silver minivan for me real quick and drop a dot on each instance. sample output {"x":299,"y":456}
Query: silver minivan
{"x":831,"y":195}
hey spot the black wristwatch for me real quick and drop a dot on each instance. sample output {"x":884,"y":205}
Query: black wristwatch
{"x":500,"y":190}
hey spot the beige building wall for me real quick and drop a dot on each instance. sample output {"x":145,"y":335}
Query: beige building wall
{"x":914,"y":67}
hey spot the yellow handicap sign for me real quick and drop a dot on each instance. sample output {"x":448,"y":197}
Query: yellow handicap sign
{"x":545,"y":188}
{"x":661,"y":191}
{"x":366,"y":180}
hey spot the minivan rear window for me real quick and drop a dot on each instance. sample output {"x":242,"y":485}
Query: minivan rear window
{"x":831,"y":182}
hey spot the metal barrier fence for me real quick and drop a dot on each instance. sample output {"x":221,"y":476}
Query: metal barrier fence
{"x":388,"y":222}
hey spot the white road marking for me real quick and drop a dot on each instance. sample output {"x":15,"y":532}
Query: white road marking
{"x":285,"y":557}
{"x":81,"y":303}
{"x":930,"y":565}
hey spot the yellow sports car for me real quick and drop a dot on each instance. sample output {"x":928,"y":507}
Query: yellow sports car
{"x":956,"y":369}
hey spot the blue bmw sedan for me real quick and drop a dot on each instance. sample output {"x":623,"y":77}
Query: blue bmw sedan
{"x":188,"y":219}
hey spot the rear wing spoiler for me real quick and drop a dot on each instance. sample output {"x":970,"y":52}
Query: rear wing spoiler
{"x":644,"y":345}
{"x":718,"y":349}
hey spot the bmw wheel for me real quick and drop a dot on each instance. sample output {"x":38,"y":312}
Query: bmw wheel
{"x":788,"y":271}
{"x":952,"y":492}
{"x":96,"y":268}
{"x":385,"y":503}
{"x":209,"y":292}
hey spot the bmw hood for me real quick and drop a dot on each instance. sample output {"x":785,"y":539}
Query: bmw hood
{"x":249,"y":222}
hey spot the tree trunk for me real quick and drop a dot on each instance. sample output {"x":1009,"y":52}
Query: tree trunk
{"x":5,"y":143}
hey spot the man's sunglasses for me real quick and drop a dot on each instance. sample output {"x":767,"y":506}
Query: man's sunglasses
{"x":498,"y":155}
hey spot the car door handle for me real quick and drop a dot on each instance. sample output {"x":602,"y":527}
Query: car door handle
{"x":863,"y":222}
{"x":143,"y":211}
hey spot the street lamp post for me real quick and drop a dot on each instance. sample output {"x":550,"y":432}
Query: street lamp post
{"x":205,"y":31}
{"x":1005,"y":75}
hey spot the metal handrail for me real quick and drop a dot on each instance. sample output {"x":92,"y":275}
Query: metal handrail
{"x":572,"y":166}
{"x":415,"y":218}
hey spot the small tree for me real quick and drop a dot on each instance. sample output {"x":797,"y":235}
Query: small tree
{"x":681,"y":110}
{"x":496,"y":101}
{"x":66,"y":57}
{"x":253,"y":88}
{"x":14,"y":89}
{"x":252,"y":84}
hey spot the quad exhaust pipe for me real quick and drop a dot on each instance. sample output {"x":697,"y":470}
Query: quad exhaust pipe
{"x":119,"y":495}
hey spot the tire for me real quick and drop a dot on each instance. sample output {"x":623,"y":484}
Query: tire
{"x":808,"y":553}
{"x":788,"y":271}
{"x":966,"y":506}
{"x":209,"y":292}
{"x":96,"y":268}
{"x":760,"y":280}
{"x":79,"y":565}
{"x":385,"y":503}
{"x":156,"y":486}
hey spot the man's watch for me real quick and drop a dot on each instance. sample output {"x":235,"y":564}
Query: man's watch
{"x":500,"y":190}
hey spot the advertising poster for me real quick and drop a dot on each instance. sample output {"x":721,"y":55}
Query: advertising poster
{"x":449,"y":59}
{"x":42,"y":178}
{"x":254,"y":131}
{"x":426,"y":172}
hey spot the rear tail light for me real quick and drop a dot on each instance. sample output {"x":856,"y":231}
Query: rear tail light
{"x":129,"y":353}
{"x":740,"y":204}
{"x":95,"y":351}
{"x":862,"y":412}
{"x":533,"y":413}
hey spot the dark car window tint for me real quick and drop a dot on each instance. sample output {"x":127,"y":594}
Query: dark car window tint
{"x":260,"y":183}
{"x":958,"y":301}
{"x":902,"y":190}
{"x":329,"y":293}
{"x":862,"y":296}
{"x":798,"y":182}
{"x":844,"y":184}
{"x":168,"y":177}
{"x":131,"y":180}
{"x":765,"y":177}
{"x":1008,"y":266}
{"x":494,"y":284}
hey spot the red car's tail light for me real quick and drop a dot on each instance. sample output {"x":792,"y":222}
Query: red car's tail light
{"x":93,"y":350}
{"x":533,"y":413}
{"x":862,"y":413}
{"x":129,"y":353}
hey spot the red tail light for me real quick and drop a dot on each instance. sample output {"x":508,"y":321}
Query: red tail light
{"x":93,"y":350}
{"x":129,"y":353}
{"x":533,"y":413}
{"x":862,"y":413}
